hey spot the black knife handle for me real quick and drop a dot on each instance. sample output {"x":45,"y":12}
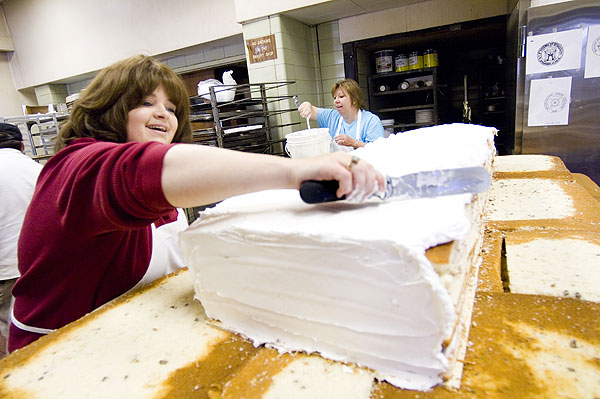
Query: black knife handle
{"x":318,"y":191}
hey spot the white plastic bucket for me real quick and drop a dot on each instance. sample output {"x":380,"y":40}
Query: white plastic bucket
{"x":308,"y":143}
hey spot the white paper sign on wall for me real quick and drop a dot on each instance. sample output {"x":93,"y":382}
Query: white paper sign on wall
{"x":592,"y":53}
{"x":554,"y":51}
{"x":549,"y":101}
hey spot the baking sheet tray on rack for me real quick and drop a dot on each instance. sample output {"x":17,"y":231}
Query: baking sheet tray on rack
{"x":242,"y":129}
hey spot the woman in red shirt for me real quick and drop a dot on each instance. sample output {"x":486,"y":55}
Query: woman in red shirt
{"x":86,"y":238}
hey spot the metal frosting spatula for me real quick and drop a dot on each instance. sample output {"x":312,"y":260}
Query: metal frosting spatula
{"x":434,"y":183}
{"x":298,"y":106}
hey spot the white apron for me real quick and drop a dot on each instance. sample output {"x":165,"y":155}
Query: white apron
{"x":338,"y":131}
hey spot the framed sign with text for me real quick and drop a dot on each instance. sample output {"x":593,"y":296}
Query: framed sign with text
{"x":261,"y":49}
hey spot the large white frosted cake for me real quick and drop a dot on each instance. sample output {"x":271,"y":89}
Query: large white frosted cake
{"x":352,"y":282}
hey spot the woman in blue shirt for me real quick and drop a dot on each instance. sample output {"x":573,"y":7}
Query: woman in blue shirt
{"x":349,"y":123}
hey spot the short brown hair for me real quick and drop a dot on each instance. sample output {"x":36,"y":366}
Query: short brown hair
{"x":353,"y":89}
{"x":102,"y":110}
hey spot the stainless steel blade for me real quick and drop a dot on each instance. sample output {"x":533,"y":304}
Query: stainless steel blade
{"x":437,"y":183}
{"x":433,"y":183}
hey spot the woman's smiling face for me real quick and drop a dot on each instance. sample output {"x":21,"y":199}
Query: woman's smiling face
{"x":343,"y":103}
{"x":153,"y":120}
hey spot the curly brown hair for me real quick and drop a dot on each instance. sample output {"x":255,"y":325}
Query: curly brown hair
{"x":351,"y":87}
{"x":102,"y":110}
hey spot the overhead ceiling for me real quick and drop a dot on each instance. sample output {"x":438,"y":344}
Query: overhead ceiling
{"x":470,"y":34}
{"x":336,"y":9}
{"x":465,"y":34}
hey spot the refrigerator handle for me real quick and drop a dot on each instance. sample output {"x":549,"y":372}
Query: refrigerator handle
{"x":522,"y":41}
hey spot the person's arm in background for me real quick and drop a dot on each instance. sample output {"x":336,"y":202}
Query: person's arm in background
{"x":345,"y":140}
{"x":307,"y":110}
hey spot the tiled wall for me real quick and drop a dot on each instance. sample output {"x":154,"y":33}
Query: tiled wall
{"x":50,"y":94}
{"x":197,"y":59}
{"x":205,"y":58}
{"x":421,"y":15}
{"x":331,"y":56}
{"x":297,"y":61}
{"x":78,"y":86}
{"x":312,"y":56}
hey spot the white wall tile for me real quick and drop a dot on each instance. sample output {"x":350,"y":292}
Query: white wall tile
{"x":423,"y":15}
{"x":276,"y":25}
{"x":328,"y":30}
{"x":176,"y":62}
{"x":287,"y":118}
{"x":332,"y":58}
{"x":72,"y":88}
{"x":284,"y":56}
{"x":332,"y":44}
{"x":261,"y":75}
{"x":45,"y":99}
{"x":58,"y":98}
{"x":305,"y":73}
{"x":85,"y":83}
{"x":42,"y":90}
{"x":284,"y":72}
{"x":194,"y":58}
{"x":332,"y":72}
{"x":261,"y":65}
{"x":76,"y":87}
{"x":298,"y":43}
{"x":304,"y":59}
{"x":327,"y":86}
{"x":256,"y":29}
{"x":313,"y":60}
{"x":453,"y":12}
{"x":306,"y":87}
{"x":60,"y":89}
{"x":235,"y":49}
{"x":215,"y":53}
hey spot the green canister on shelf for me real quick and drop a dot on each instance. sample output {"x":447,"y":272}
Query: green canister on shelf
{"x":430,"y":58}
{"x":401,"y":63}
{"x":415,"y":60}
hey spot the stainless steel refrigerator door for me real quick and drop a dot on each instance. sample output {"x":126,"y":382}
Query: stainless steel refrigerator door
{"x":578,"y":143}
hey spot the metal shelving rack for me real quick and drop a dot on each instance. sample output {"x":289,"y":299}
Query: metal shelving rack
{"x":39,"y":132}
{"x":401,"y":104}
{"x":247,"y":123}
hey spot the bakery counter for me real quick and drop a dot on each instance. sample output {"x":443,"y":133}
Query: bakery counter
{"x":532,"y":335}
{"x":156,"y":343}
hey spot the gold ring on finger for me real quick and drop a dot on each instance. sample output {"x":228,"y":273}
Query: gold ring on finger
{"x":353,"y":161}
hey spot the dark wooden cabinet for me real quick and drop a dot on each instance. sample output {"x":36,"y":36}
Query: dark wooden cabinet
{"x":410,"y":98}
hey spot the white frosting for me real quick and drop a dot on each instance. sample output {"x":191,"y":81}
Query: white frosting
{"x":523,"y":163}
{"x":556,"y":267}
{"x":528,"y":199}
{"x":350,"y":281}
{"x":438,"y":147}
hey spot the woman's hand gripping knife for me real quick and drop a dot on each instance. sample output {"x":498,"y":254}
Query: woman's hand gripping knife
{"x":353,"y":179}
